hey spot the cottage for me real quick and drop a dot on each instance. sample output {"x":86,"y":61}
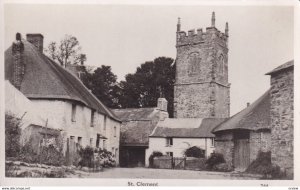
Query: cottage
{"x":61,"y":96}
{"x":173,"y":136}
{"x":137,"y":125}
{"x":243,"y":135}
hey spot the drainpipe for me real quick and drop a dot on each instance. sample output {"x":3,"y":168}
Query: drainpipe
{"x":205,"y":147}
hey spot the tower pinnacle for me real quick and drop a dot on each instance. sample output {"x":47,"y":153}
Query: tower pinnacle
{"x":213,"y":19}
{"x":226,"y":29}
{"x":178,"y":25}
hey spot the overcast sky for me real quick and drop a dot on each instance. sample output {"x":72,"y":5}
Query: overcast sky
{"x":124,"y":36}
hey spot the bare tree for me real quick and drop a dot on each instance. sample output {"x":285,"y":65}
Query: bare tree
{"x":67,"y":51}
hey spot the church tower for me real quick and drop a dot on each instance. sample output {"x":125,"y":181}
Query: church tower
{"x":201,"y":88}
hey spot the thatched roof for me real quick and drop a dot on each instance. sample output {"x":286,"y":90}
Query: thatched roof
{"x":287,"y":65}
{"x":254,"y":117}
{"x":186,"y":127}
{"x":45,"y":79}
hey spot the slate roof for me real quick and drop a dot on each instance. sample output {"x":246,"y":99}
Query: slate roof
{"x":287,"y":65}
{"x":45,"y":79}
{"x":254,"y":117}
{"x":136,"y":114}
{"x":186,"y":127}
{"x":138,"y":123}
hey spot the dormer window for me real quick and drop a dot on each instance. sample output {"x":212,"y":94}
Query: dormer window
{"x":73,"y":116}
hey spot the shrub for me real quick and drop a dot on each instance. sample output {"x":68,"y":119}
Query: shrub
{"x":214,"y":159}
{"x":262,"y":165}
{"x":194,"y":152}
{"x":12,"y":135}
{"x":152,"y":156}
{"x":222,"y":167}
{"x":87,"y":157}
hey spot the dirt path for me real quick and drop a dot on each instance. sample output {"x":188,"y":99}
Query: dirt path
{"x":141,"y":173}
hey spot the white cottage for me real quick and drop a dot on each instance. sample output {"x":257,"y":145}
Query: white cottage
{"x":62,"y":97}
{"x":173,"y":136}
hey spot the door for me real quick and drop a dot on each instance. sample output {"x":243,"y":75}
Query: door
{"x":241,"y":154}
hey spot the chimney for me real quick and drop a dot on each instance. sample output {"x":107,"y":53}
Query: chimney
{"x":162,"y":104}
{"x":18,"y":61}
{"x":248,"y":104}
{"x":37,"y":40}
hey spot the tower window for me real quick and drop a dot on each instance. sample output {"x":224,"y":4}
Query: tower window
{"x":194,"y":64}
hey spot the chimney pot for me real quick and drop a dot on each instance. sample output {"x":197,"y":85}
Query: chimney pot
{"x":37,"y":40}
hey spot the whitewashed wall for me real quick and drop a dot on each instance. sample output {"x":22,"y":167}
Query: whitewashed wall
{"x":59,"y":114}
{"x":178,"y":147}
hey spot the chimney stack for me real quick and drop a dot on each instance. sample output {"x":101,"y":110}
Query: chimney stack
{"x":248,"y":104}
{"x":37,"y":40}
{"x":18,"y":61}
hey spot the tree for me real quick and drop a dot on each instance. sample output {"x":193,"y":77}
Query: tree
{"x":67,"y":51}
{"x":103,"y":83}
{"x":151,"y":80}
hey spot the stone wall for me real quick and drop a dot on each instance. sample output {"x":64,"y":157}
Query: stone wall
{"x":259,"y":141}
{"x":224,"y":145}
{"x":282,"y":108}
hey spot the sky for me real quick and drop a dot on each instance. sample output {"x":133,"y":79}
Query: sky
{"x":124,"y":36}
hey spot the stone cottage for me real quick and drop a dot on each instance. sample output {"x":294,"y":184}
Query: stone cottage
{"x":137,"y":125}
{"x":282,"y":117}
{"x":243,"y":135}
{"x":265,"y":125}
{"x":61,"y":96}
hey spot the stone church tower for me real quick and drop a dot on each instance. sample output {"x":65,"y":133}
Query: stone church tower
{"x":201,"y":88}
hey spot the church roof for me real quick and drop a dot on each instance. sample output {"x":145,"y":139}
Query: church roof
{"x":287,"y":65}
{"x":254,"y":117}
{"x":45,"y":79}
{"x":186,"y":127}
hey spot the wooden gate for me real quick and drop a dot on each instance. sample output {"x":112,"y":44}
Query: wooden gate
{"x":241,"y":154}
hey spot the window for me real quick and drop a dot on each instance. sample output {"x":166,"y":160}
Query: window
{"x":92,"y":118}
{"x":91,"y":141}
{"x":212,"y":142}
{"x":169,"y":142}
{"x":104,"y":144}
{"x":79,"y":140}
{"x":98,"y":140}
{"x":113,"y":150}
{"x":104,"y":127}
{"x":170,"y":154}
{"x":73,"y":117}
{"x":115,"y":131}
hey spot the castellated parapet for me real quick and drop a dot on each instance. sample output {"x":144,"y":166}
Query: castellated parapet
{"x":201,"y":88}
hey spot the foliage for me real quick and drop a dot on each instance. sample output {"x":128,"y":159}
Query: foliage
{"x":103,"y":84}
{"x":151,"y":80}
{"x":222,"y":167}
{"x":50,"y":154}
{"x":12,"y":135}
{"x":67,"y":51}
{"x":194,"y":151}
{"x":152,"y":156}
{"x":262,"y":165}
{"x":214,"y":159}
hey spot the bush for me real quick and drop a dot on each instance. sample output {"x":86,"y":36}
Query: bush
{"x":195,"y":152}
{"x":262,"y":165}
{"x":12,"y":135}
{"x":87,"y":156}
{"x":152,"y":156}
{"x":213,"y":160}
{"x":222,"y":167}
